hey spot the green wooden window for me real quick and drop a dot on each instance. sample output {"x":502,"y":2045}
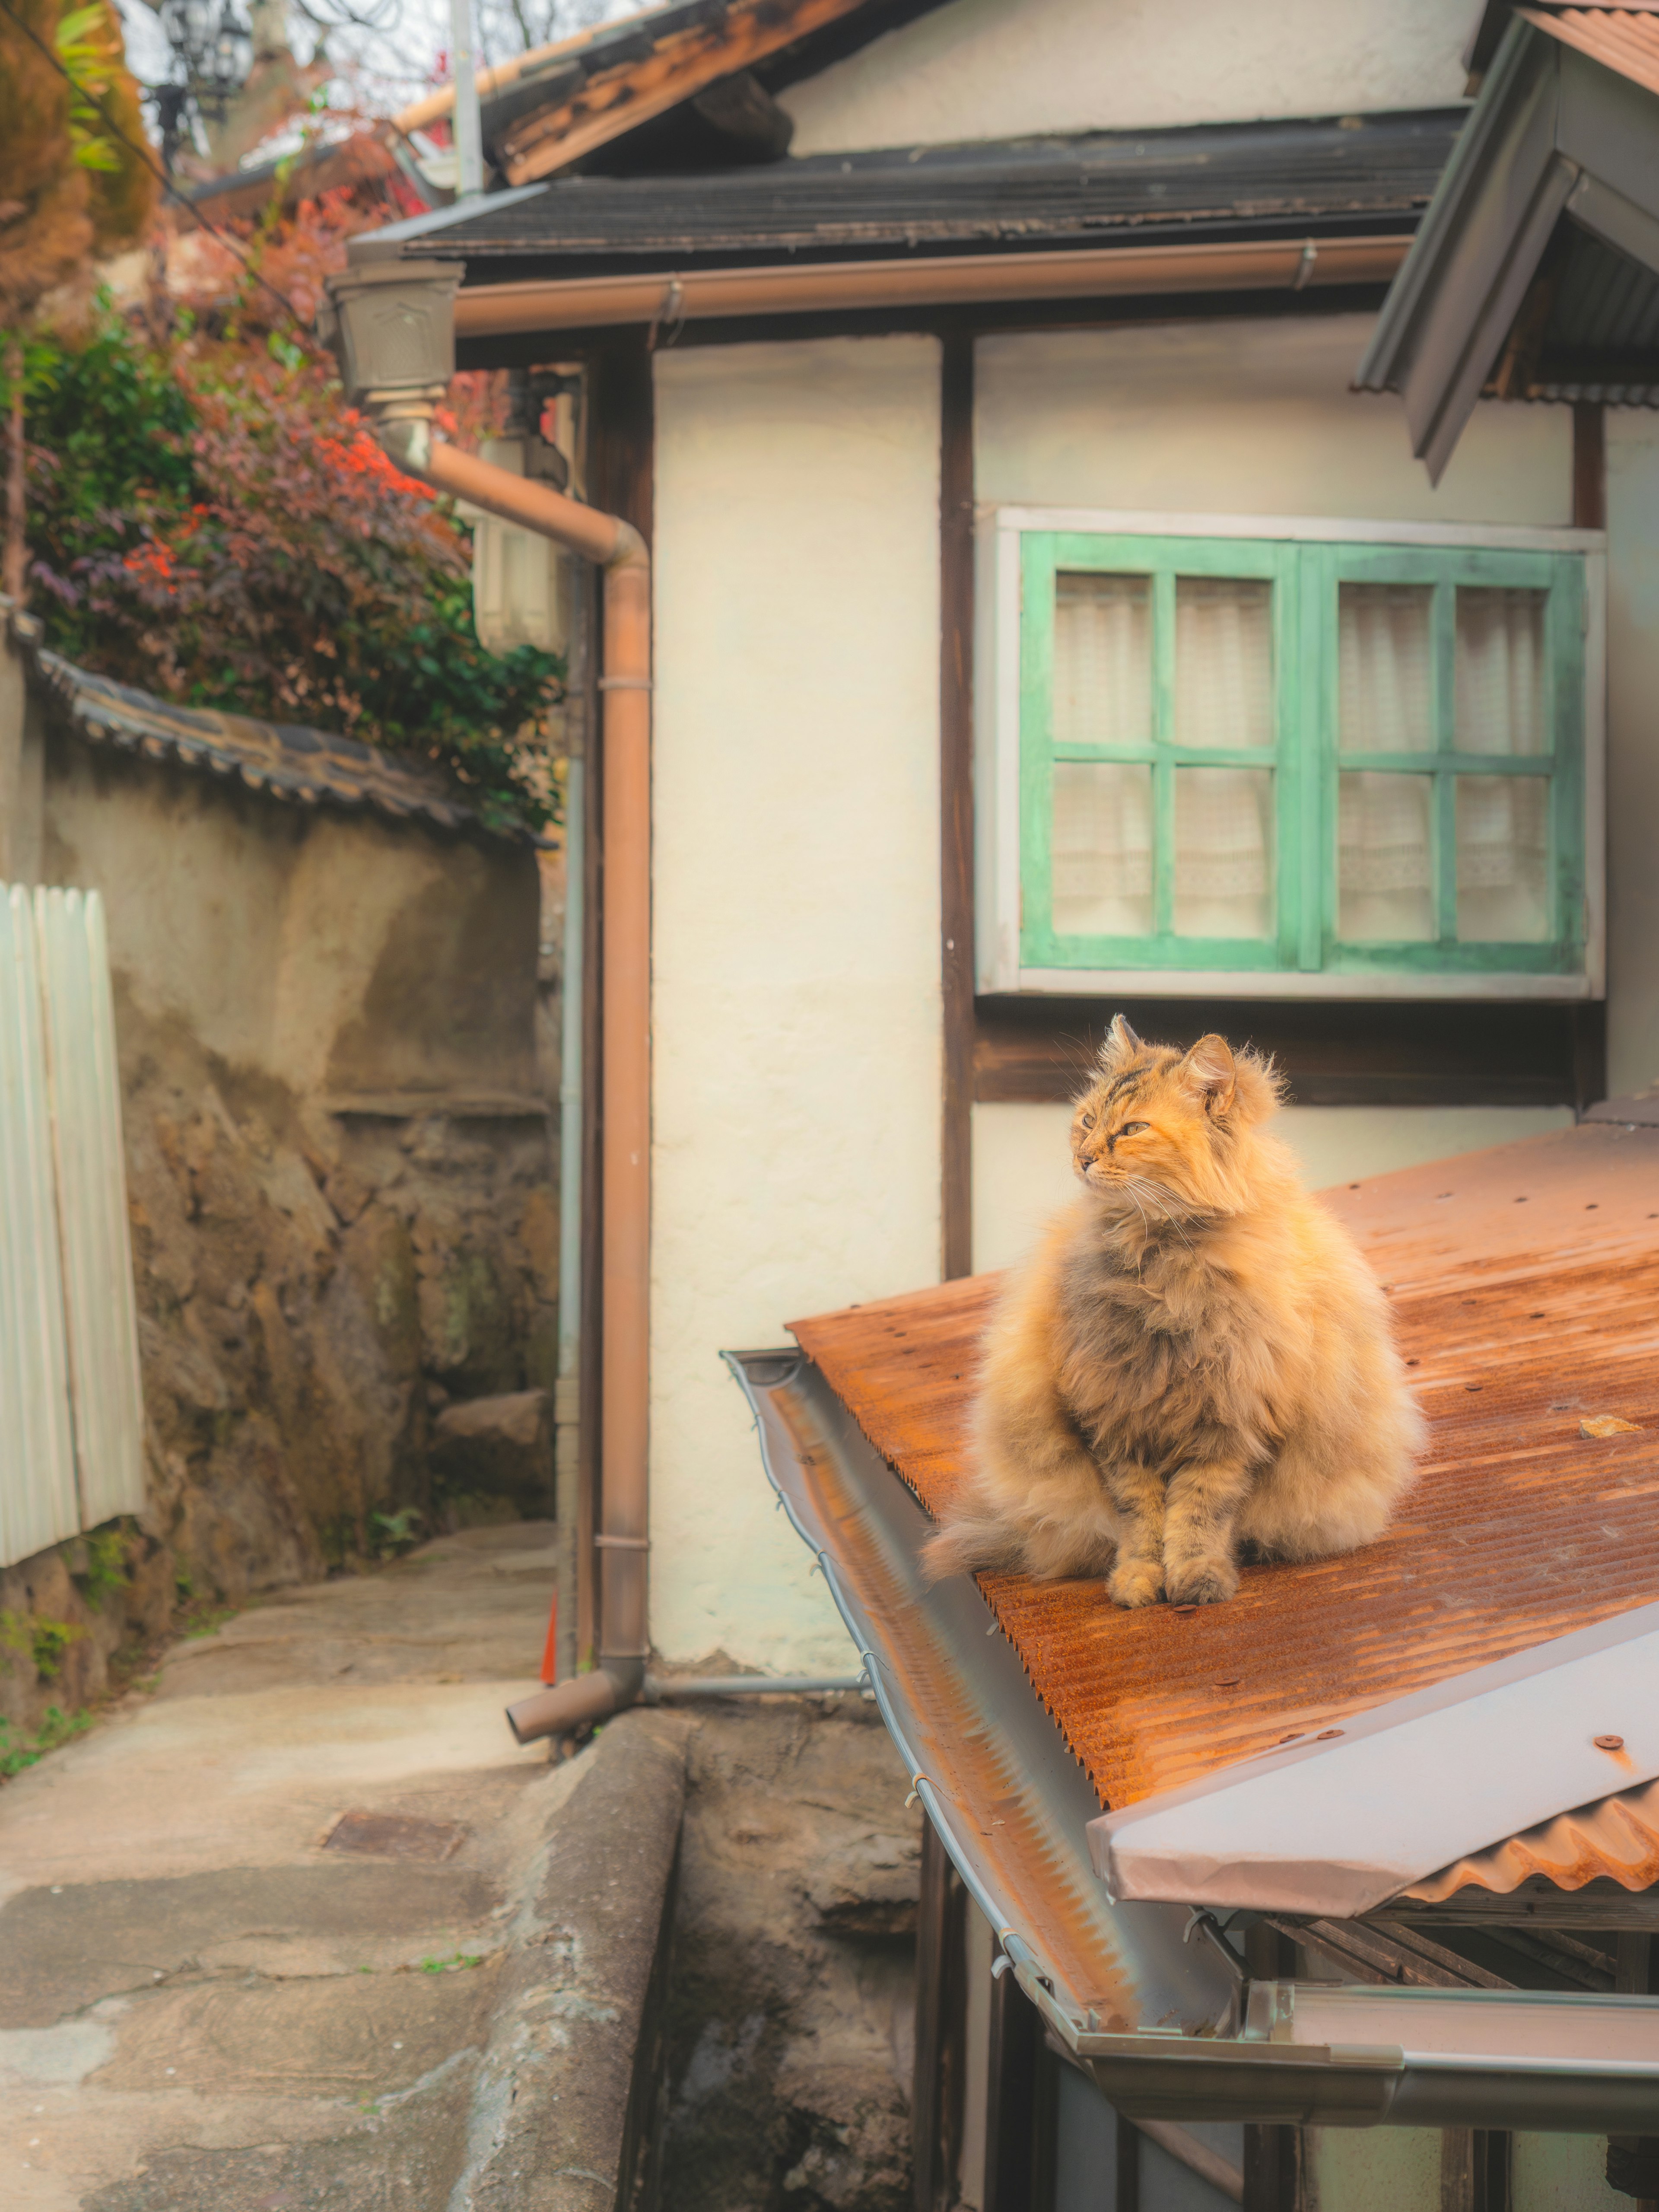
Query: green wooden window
{"x":1267,"y":755}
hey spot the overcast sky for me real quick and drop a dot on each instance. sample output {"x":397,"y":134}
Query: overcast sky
{"x":399,"y":48}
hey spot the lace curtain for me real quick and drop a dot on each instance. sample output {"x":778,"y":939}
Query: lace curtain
{"x":1385,"y":826}
{"x":1101,"y":853}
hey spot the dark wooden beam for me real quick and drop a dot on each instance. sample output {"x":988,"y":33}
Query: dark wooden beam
{"x":936,"y":2099}
{"x":1273,"y":2155}
{"x":956,"y":765}
{"x":1589,"y":512}
{"x":1011,"y":2098}
{"x":1373,"y":1052}
{"x":1590,"y":465}
{"x":621,"y":478}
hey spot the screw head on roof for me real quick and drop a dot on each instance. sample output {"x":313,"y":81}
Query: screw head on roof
{"x":1608,"y":1742}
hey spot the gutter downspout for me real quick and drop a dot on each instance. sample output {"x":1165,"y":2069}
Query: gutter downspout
{"x":403,"y":422}
{"x":566,"y":1388}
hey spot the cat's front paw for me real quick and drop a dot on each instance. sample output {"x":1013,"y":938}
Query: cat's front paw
{"x":1136,"y":1581}
{"x":1207,"y":1583}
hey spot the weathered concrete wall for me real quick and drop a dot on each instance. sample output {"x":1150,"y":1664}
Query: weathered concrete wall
{"x":792,"y":2002}
{"x":982,"y":69}
{"x":339,"y":1174}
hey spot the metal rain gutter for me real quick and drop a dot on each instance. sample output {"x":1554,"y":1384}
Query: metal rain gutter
{"x":1147,"y":1996}
{"x":537,"y":304}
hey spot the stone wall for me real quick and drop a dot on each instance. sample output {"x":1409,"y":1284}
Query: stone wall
{"x":342,"y":1184}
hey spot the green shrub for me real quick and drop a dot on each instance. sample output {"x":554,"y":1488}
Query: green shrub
{"x":210,"y":523}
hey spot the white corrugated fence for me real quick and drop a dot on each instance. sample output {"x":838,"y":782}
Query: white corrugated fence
{"x":71,"y":1415}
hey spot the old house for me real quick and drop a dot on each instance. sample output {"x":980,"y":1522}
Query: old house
{"x":1021,"y":382}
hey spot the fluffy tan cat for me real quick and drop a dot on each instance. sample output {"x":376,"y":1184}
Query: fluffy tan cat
{"x":1196,"y":1359}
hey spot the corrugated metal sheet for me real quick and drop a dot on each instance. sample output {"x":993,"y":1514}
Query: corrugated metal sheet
{"x":1620,"y":38}
{"x":1526,"y":1285}
{"x":105,"y":1399}
{"x":1615,"y":1839}
{"x":38,"y":1501}
{"x":72,"y":1416}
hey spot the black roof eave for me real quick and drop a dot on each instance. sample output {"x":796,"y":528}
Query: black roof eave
{"x":1307,"y":174}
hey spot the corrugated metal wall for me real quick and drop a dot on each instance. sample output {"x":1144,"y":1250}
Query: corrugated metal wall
{"x":71,"y":1417}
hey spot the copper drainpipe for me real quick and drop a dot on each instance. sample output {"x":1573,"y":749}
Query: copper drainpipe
{"x":403,"y":425}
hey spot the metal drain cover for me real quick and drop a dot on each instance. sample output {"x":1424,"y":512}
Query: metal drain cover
{"x":393,"y":1836}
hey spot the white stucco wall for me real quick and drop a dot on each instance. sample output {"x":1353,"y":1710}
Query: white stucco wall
{"x":1000,"y":68}
{"x":1252,"y":416}
{"x":1632,"y":748}
{"x":796,"y":993}
{"x":1023,"y":1172}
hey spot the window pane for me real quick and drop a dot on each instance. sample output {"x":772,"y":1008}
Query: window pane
{"x":1102,"y":854}
{"x":1501,"y":692}
{"x":1224,"y":661}
{"x":1386,"y":670}
{"x":1102,"y":661}
{"x":1503,"y":860}
{"x":1385,"y":860}
{"x":1224,"y":869}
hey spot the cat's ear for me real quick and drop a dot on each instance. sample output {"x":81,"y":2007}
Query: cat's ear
{"x":1121,"y":1044}
{"x":1211,"y":1071}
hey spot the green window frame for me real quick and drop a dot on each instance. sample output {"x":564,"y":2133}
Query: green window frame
{"x":1307,"y":757}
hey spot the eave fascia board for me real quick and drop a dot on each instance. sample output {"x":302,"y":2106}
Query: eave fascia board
{"x":1392,"y":343}
{"x":1554,"y":131}
{"x":1450,"y":308}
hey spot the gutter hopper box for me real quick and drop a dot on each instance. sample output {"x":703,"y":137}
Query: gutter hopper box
{"x":1337,"y":1825}
{"x":392,"y":325}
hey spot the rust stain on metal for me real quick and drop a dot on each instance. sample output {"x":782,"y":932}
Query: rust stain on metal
{"x":973,"y":1772}
{"x":1616,"y":1838}
{"x":1518,"y":1530}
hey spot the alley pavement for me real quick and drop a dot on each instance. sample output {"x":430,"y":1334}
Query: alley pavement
{"x":251,"y":1925}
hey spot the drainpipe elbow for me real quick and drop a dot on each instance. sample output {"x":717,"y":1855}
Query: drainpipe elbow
{"x":629,"y":550}
{"x":611,"y":1688}
{"x":407,"y":440}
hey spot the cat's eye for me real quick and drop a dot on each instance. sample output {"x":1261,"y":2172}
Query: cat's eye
{"x":1133,"y":1128}
{"x":1088,"y":1121}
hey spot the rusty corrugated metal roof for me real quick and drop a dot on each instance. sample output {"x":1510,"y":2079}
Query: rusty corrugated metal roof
{"x":1525,"y":1282}
{"x":1615,"y":1839}
{"x":1622,"y":39}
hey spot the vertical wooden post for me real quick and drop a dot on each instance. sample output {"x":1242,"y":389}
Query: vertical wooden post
{"x":1011,"y":2098}
{"x":1127,"y":2177}
{"x":1633,"y":2160}
{"x":955,"y":709}
{"x":1589,"y":512}
{"x":620,"y":479}
{"x":1590,"y":465}
{"x":936,"y":2102}
{"x":1273,"y":2154}
{"x":1475,"y":2170}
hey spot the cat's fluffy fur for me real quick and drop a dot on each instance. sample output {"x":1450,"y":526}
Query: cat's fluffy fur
{"x":1196,"y":1359}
